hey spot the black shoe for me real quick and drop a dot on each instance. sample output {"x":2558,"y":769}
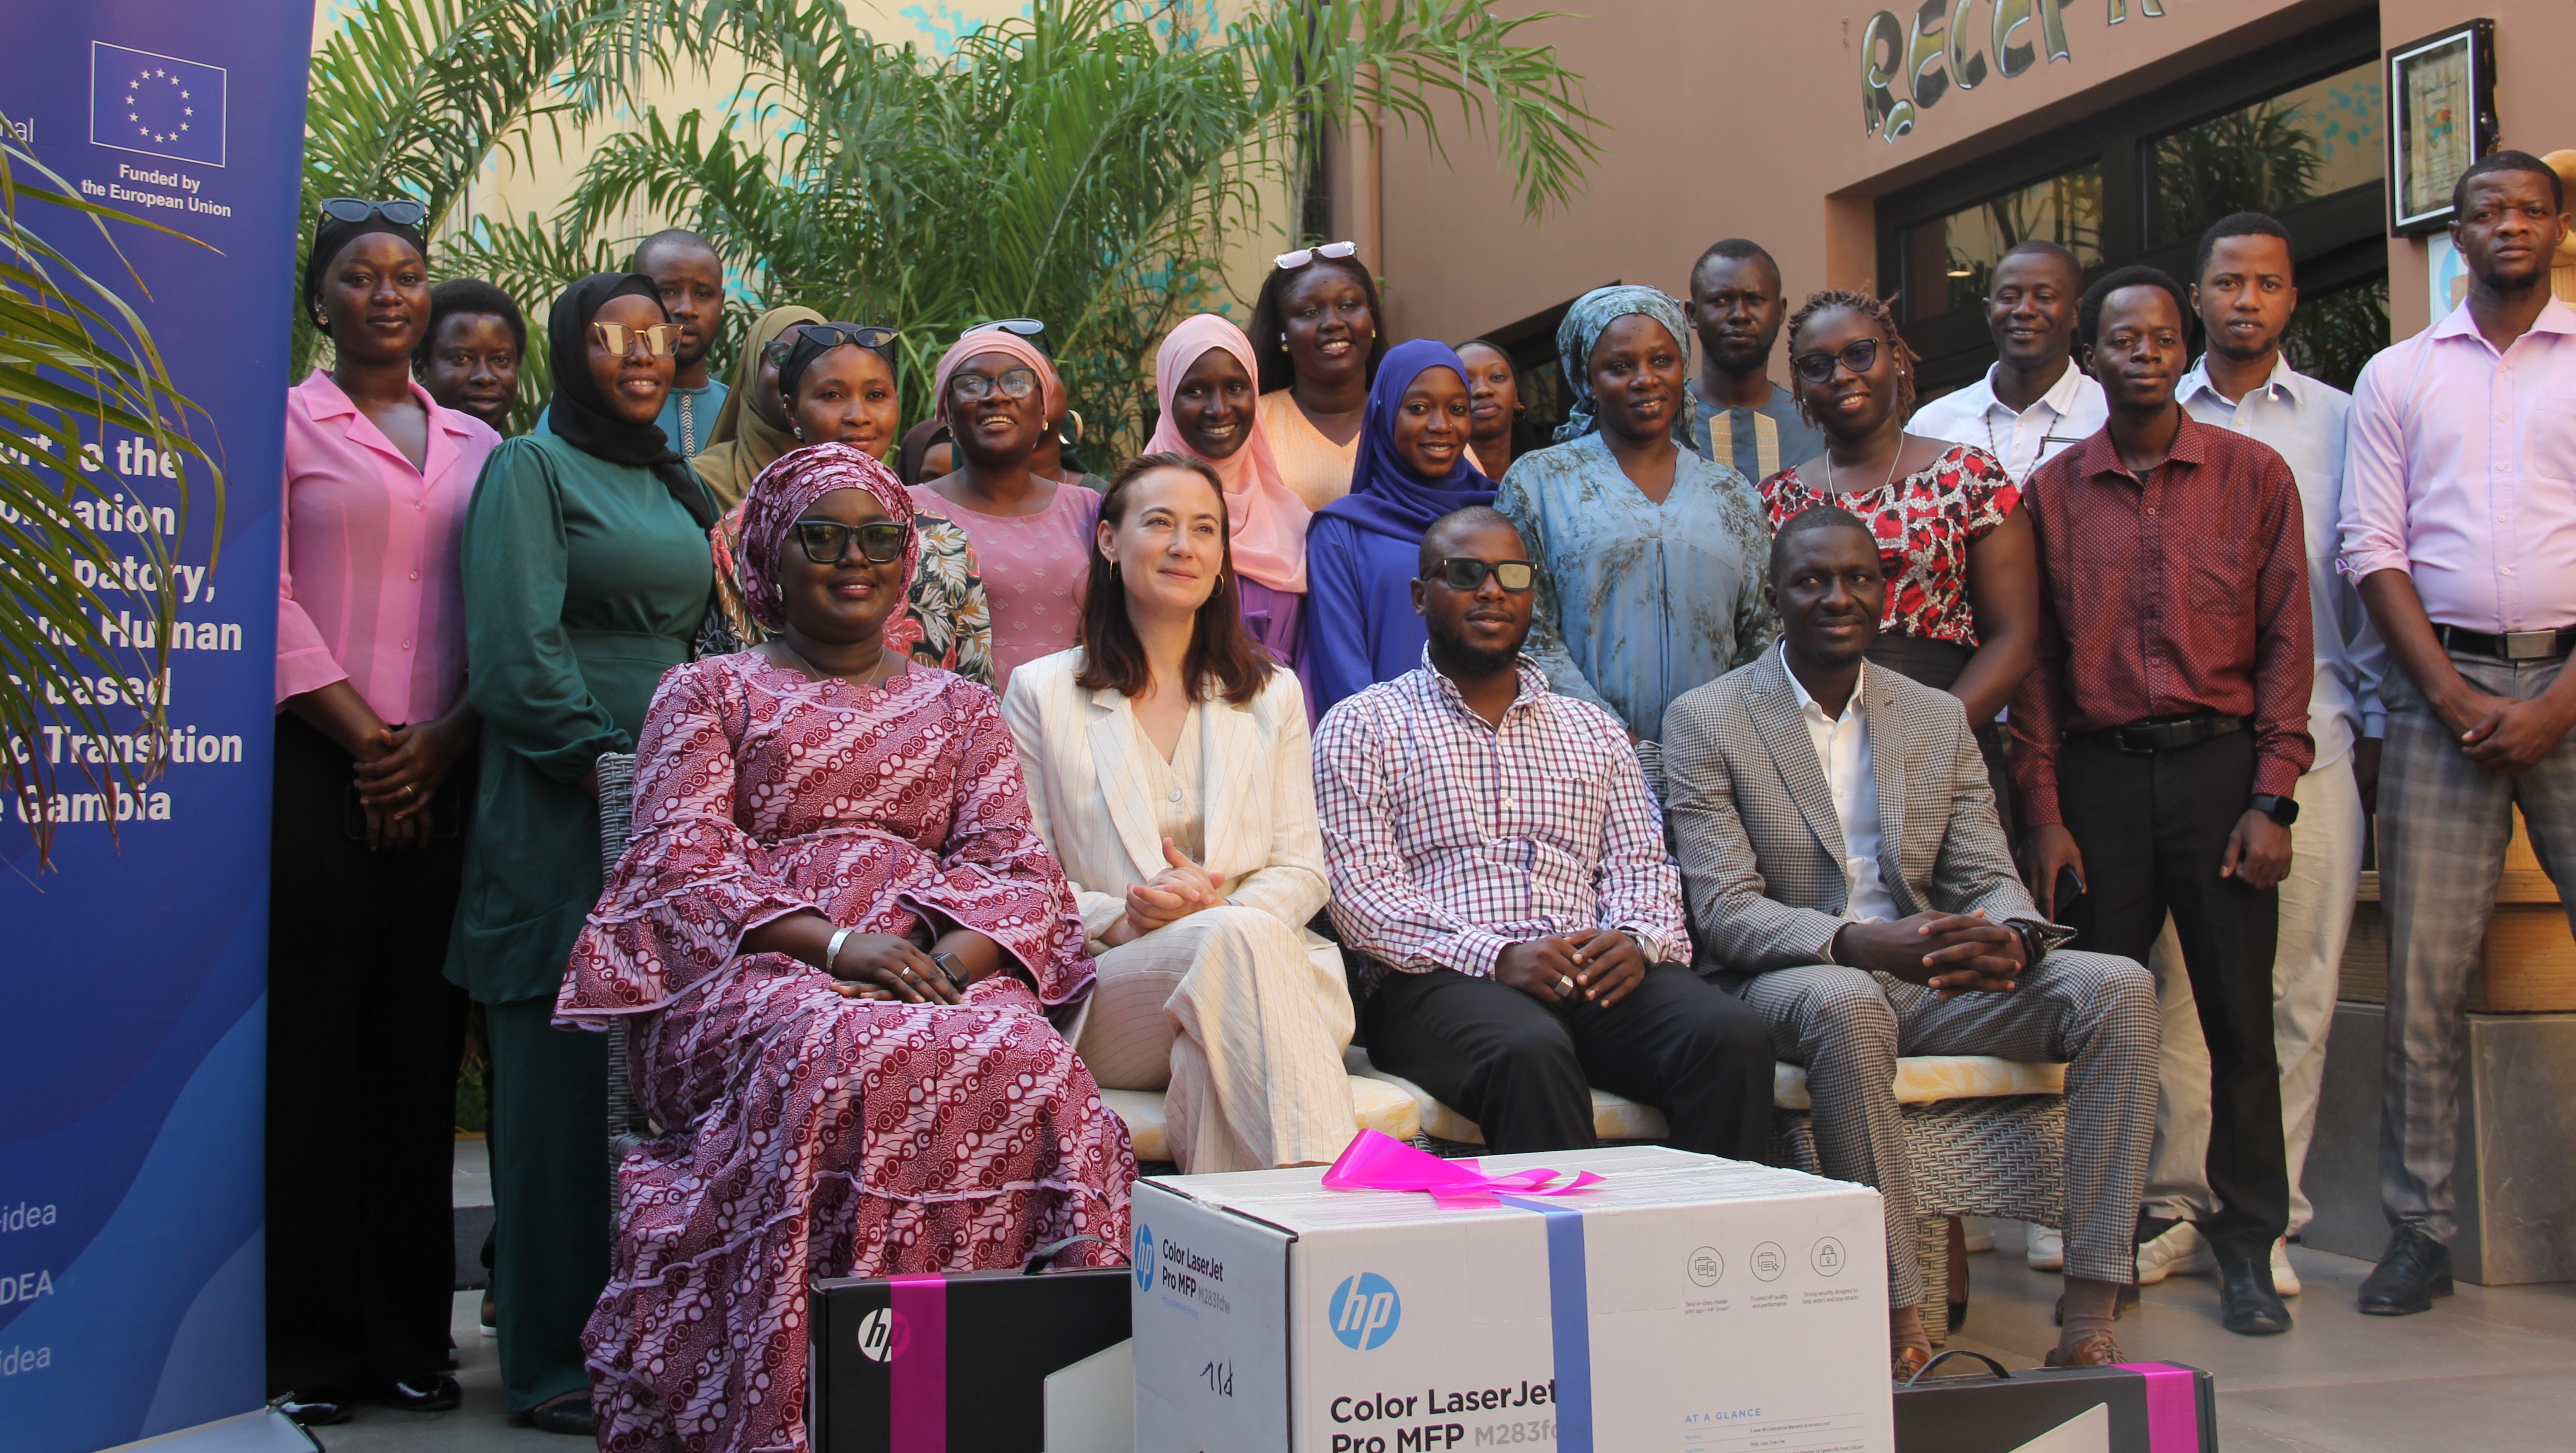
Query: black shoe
{"x":2411,"y":1273}
{"x":567,"y":1414}
{"x":436,"y":1395}
{"x":454,"y":1361}
{"x":2247,"y":1304}
{"x":316,"y":1407}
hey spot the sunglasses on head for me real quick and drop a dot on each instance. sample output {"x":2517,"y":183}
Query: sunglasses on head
{"x":401,"y":211}
{"x":1859,"y":355}
{"x":1465,"y":572}
{"x":825,"y":542}
{"x":1024,"y":327}
{"x":833,"y":335}
{"x":1015,"y":383}
{"x":619,"y":339}
{"x":1290,"y":261}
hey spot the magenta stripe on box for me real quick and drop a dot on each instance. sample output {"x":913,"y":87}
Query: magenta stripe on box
{"x":918,"y":1417}
{"x":2173,"y":1406}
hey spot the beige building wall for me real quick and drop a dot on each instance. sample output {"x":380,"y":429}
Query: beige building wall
{"x":1745,"y":118}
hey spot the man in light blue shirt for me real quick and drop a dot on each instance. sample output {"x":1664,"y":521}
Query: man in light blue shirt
{"x":2245,"y":292}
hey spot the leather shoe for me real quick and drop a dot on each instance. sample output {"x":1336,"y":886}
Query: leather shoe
{"x":1904,"y":1362}
{"x":434,"y":1395}
{"x":318,"y":1407}
{"x":2095,"y":1350}
{"x":2247,"y":1303}
{"x":569,"y":1413}
{"x":2411,"y":1273}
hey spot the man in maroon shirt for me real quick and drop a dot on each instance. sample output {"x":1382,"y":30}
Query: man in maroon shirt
{"x":2160,"y":736}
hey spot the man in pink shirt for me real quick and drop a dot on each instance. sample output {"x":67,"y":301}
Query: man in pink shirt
{"x":2459,"y":523}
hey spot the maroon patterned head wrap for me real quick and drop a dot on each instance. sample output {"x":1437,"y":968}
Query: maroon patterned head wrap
{"x":782,"y":494}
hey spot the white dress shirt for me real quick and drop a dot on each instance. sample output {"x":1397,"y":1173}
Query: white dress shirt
{"x":2072,"y":411}
{"x":1842,"y":749}
{"x":2305,"y":421}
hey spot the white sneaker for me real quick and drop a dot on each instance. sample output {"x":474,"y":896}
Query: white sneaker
{"x":2179,"y":1251}
{"x":2044,"y":1247}
{"x":2284,"y":1280}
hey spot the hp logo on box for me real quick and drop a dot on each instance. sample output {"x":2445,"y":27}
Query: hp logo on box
{"x":1144,"y":1257}
{"x":1365,"y":1310}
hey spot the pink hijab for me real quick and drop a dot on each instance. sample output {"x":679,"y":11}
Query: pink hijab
{"x":1010,"y":345}
{"x":1265,"y":520}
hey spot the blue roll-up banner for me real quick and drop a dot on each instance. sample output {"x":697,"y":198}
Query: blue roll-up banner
{"x":132,"y":974}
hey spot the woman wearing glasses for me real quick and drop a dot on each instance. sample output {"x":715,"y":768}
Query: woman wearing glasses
{"x":1651,"y":559}
{"x":586,"y":577}
{"x":752,"y":428}
{"x":838,"y":943}
{"x":1962,"y":570}
{"x":371,"y":783}
{"x":1364,"y":550}
{"x":1315,"y":329}
{"x":1168,"y":767}
{"x":837,"y":386}
{"x":1032,"y":535}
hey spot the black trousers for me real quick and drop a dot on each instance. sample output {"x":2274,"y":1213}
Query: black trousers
{"x":1523,"y":1070}
{"x":2153,"y":827}
{"x":364,"y":1034}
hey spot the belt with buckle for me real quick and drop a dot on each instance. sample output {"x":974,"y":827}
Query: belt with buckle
{"x":2510,"y":645}
{"x":2164,"y":736}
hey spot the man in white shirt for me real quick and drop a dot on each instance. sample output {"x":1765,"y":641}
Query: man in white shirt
{"x":1847,"y":876}
{"x":2034,"y":402}
{"x":2245,"y":292}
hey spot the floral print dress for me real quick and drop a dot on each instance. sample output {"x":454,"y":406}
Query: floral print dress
{"x":1925,"y":523}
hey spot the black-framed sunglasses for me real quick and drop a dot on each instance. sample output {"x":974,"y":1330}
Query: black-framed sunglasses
{"x":400,"y":211}
{"x":1013,"y":383}
{"x":1465,"y":572}
{"x":869,"y":336}
{"x":827,"y":542}
{"x":1859,"y":355}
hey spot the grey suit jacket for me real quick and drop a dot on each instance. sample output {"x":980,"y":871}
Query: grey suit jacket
{"x":1753,"y":824}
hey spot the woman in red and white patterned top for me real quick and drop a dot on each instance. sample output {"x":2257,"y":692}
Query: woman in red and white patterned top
{"x":1962,"y":571}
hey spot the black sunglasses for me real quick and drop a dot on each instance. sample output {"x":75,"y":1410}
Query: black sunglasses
{"x":402,"y":212}
{"x":1465,"y":572}
{"x":825,"y":542}
{"x":870,"y":337}
{"x":1859,"y":355}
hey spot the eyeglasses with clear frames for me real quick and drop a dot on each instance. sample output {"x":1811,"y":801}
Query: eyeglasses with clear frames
{"x":1014,"y":383}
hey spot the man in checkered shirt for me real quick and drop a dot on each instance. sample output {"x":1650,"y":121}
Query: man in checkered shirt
{"x":1500,"y":866}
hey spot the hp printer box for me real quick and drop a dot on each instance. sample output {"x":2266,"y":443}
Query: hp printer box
{"x":1686,"y":1303}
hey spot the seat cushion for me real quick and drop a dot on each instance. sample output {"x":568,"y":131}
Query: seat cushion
{"x":1614,"y":1117}
{"x":1377,"y":1105}
{"x":1929,"y":1079}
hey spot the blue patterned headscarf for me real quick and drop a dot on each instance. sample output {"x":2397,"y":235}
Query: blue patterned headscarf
{"x":1591,"y":315}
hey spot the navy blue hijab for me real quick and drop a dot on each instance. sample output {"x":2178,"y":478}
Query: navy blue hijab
{"x":1388,"y":496}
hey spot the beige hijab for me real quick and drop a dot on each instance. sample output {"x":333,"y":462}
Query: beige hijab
{"x":743,"y":443}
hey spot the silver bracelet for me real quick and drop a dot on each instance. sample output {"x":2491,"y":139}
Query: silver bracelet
{"x":832,"y":950}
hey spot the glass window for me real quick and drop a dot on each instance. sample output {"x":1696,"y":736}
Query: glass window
{"x":1949,"y":261}
{"x":2333,"y":334}
{"x":2310,"y":142}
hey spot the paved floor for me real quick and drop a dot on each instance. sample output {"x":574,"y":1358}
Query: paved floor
{"x":2489,"y":1369}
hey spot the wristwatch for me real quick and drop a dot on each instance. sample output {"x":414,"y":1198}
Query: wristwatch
{"x":2283,"y":810}
{"x":1643,"y":947}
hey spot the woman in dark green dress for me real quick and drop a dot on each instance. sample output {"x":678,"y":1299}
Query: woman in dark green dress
{"x":586,"y":576}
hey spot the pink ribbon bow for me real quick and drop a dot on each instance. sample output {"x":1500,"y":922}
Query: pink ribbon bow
{"x":1376,"y":1161}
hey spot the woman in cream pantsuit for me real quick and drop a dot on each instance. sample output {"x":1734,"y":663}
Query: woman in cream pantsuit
{"x":1185,"y":819}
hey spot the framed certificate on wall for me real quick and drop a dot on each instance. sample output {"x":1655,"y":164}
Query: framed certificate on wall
{"x":2441,"y":117}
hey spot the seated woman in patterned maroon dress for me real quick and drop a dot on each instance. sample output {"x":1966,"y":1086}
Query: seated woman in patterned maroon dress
{"x":843,"y":952}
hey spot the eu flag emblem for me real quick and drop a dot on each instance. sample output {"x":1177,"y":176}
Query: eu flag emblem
{"x":156,"y":104}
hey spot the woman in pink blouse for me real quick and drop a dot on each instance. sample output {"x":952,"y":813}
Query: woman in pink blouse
{"x":1032,"y":535}
{"x":364,"y":1030}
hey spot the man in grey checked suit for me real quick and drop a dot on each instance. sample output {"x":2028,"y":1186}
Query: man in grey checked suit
{"x":1847,"y":877}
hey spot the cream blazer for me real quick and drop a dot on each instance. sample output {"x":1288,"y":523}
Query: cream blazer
{"x":1080,"y":751}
